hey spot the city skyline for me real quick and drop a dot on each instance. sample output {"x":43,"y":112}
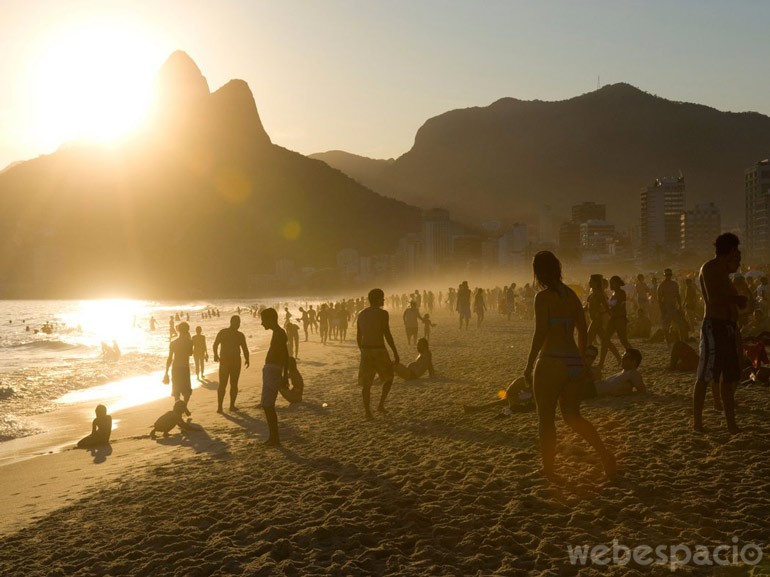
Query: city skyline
{"x":363,"y":77}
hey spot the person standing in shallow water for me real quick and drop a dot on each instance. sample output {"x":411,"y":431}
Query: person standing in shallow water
{"x":556,"y":367}
{"x":719,"y":336}
{"x":372,"y":332}
{"x":232,"y":342}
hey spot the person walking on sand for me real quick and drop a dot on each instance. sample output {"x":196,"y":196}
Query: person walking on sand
{"x":232,"y":342}
{"x":179,"y":352}
{"x":556,"y":367}
{"x":275,"y":372}
{"x":719,"y":337}
{"x":372,"y":332}
{"x":200,"y":354}
{"x":464,"y":303}
{"x":412,"y":318}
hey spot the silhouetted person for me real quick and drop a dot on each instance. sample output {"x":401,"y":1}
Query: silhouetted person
{"x":171,"y":328}
{"x":200,"y":353}
{"x":720,"y":339}
{"x":417,"y":368}
{"x":179,"y":352}
{"x":464,"y":303}
{"x":372,"y":332}
{"x":292,"y":333}
{"x":275,"y":372}
{"x":173,"y":418}
{"x":412,"y":320}
{"x":101,"y":429}
{"x":232,"y":342}
{"x":153,"y":322}
{"x":670,"y":304}
{"x":618,"y":321}
{"x":479,"y":306}
{"x":556,"y":365}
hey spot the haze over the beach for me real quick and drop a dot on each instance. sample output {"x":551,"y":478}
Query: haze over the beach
{"x":363,"y":76}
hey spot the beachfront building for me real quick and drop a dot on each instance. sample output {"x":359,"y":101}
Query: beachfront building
{"x":699,"y":228}
{"x":436,"y":238}
{"x":466,"y":252}
{"x":546,"y":230}
{"x":512,"y":245}
{"x":596,"y":235}
{"x":409,"y":254}
{"x":586,"y":211}
{"x":663,"y":203}
{"x":757,"y":197}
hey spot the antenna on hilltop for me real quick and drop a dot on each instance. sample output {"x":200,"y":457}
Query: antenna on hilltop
{"x":598,"y":82}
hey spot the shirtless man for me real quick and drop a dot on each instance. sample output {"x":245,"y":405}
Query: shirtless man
{"x":720,"y":339}
{"x":670,"y":303}
{"x":232,"y":342}
{"x":200,"y":354}
{"x":372,"y":331}
{"x":275,"y":372}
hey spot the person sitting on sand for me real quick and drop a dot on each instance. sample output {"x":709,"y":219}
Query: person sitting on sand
{"x":173,"y":418}
{"x":684,"y":359}
{"x":417,"y":368}
{"x":627,"y":381}
{"x":101,"y":429}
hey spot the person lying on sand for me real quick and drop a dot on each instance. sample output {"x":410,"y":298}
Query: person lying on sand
{"x":517,"y":398}
{"x":173,"y":418}
{"x":418,"y":367}
{"x":626,"y":382}
{"x":101,"y":429}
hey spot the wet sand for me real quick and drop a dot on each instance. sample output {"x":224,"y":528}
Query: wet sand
{"x":424,"y":490}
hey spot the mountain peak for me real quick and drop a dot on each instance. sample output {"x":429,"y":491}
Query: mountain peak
{"x":236,"y":113}
{"x":182,"y":77}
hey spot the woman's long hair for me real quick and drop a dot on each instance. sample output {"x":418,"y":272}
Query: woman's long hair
{"x":547,"y":269}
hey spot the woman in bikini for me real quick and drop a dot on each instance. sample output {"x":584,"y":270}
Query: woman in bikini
{"x":556,"y":367}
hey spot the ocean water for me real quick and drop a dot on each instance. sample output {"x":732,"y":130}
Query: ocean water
{"x":40,"y":372}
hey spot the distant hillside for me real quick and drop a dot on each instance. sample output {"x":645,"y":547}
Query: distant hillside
{"x":192,"y":208}
{"x":367,"y":171}
{"x":511,"y":157}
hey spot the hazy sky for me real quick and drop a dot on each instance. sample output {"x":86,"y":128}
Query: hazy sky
{"x":363,"y":76}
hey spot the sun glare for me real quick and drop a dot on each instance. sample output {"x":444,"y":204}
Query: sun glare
{"x":93,"y":81}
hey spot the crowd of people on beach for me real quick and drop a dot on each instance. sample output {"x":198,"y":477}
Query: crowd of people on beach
{"x":730,"y":309}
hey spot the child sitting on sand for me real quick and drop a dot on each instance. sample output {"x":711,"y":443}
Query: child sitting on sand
{"x":101,"y":429}
{"x":171,"y":419}
{"x":417,"y":368}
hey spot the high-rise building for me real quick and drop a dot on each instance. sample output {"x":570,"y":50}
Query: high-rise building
{"x":546,"y":230}
{"x":512,"y":244}
{"x":662,"y":206}
{"x":757,"y":190}
{"x":699,"y":228}
{"x":436,"y":238}
{"x":586,"y":211}
{"x":596,"y":235}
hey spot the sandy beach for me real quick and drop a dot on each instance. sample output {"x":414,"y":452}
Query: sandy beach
{"x":424,"y":490}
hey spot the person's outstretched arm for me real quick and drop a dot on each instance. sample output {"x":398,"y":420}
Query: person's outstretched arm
{"x":215,"y":348}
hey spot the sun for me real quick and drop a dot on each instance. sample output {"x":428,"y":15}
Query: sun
{"x":93,"y":81}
